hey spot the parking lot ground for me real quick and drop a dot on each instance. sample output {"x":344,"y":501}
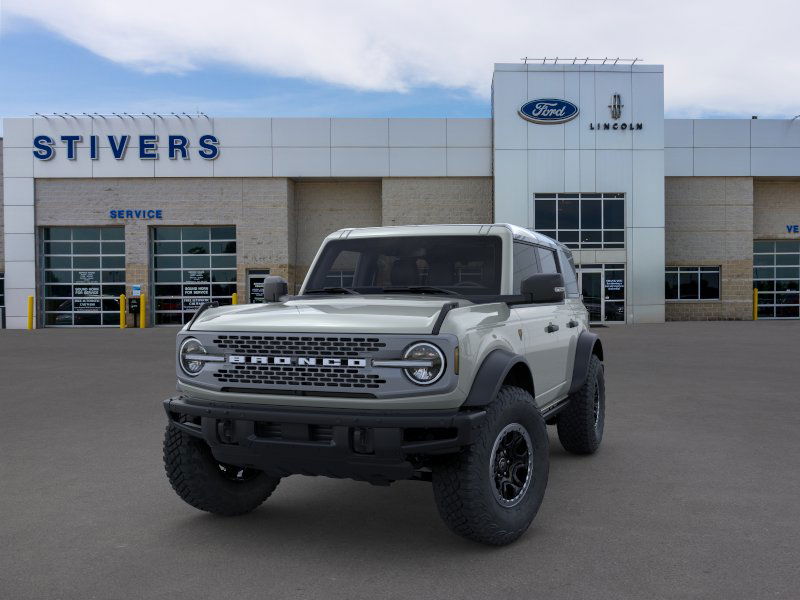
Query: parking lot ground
{"x":695,"y":492}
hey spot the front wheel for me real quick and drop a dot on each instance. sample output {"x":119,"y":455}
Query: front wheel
{"x":491,"y":491}
{"x":205,"y":483}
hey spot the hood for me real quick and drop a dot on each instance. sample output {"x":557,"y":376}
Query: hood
{"x":345,"y":314}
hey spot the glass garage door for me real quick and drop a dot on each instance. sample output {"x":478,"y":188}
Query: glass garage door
{"x":191,"y":265}
{"x":82,"y":275}
{"x":776,"y":274}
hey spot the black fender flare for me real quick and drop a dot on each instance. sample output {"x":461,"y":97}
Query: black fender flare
{"x":588,"y":344}
{"x":491,"y":375}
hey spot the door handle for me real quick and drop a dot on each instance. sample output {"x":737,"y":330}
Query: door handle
{"x":551,"y":328}
{"x":572,"y":323}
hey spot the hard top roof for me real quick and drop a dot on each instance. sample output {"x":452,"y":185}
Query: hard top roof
{"x":517,"y":232}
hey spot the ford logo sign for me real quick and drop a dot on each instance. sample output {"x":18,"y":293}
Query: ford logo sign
{"x":548,"y":111}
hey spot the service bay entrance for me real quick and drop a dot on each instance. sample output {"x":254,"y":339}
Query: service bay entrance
{"x":603,"y":292}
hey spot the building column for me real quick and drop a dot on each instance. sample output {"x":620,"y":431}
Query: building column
{"x":19,"y":222}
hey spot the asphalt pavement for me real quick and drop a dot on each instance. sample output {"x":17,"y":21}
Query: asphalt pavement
{"x":695,"y":492}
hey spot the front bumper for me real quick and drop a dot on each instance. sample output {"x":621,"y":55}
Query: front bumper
{"x":375,"y":446}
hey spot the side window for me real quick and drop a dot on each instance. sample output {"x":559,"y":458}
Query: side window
{"x":570,"y":277}
{"x":547,"y":259}
{"x":525,"y":264}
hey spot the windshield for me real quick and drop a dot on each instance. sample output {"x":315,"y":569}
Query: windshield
{"x":467,"y":265}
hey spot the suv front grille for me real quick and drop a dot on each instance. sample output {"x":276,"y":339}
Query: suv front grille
{"x":299,"y":345}
{"x":274,"y":375}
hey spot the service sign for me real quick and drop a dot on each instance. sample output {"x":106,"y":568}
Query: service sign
{"x":193,"y":303}
{"x":548,"y":111}
{"x":197,"y":290}
{"x":256,"y":290}
{"x":87,"y":277}
{"x":87,"y":290}
{"x":198,"y":275}
{"x":86,"y":304}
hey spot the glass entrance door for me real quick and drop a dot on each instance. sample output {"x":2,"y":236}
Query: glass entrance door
{"x":614,"y":293}
{"x":591,"y":291}
{"x":603,"y":292}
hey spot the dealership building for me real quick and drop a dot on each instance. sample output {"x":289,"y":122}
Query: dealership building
{"x":668,"y":219}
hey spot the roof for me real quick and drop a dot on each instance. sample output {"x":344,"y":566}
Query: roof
{"x":517,"y":232}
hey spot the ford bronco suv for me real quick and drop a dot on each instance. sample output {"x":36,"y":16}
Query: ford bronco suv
{"x":432,"y":352}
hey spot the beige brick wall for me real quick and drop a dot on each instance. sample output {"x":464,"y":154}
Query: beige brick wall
{"x":422,"y":200}
{"x":325,"y":206}
{"x":709,"y":222}
{"x":776,"y":204}
{"x":261,"y":209}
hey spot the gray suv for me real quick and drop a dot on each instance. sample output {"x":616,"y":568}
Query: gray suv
{"x":436,"y":353}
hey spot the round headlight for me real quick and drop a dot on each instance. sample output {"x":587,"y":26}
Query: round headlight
{"x":423,"y":351}
{"x":188,"y":347}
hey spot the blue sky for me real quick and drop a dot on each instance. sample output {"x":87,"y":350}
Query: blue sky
{"x":44,"y":73}
{"x":362,"y":58}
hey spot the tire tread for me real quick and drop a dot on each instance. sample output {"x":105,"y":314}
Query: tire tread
{"x":459,"y":481}
{"x":575,"y":423}
{"x":187,"y":462}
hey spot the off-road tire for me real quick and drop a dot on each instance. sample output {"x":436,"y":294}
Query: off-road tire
{"x":463,"y":484}
{"x":201,"y":481}
{"x":580,"y":429}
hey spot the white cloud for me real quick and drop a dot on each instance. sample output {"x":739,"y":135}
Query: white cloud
{"x":719,"y":56}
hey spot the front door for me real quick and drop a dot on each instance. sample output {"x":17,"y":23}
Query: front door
{"x":603,"y":292}
{"x":255,"y":285}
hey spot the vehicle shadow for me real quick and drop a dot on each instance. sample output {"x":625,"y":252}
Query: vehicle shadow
{"x":311,"y":514}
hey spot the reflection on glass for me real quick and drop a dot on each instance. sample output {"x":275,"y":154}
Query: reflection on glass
{"x":615,"y":311}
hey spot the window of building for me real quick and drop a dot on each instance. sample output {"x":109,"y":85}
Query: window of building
{"x":83,"y":275}
{"x":776,"y":275}
{"x":191,"y":266}
{"x":692,"y":283}
{"x":581,"y":220}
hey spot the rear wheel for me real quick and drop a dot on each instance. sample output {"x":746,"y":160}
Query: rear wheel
{"x":581,"y":423}
{"x":205,"y":483}
{"x":491,"y":491}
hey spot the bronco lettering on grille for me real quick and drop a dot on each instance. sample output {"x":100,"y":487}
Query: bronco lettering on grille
{"x":302,"y":361}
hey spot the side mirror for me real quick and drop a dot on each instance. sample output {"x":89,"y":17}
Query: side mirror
{"x":544,"y":288}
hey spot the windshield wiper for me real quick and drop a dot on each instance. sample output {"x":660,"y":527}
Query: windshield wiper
{"x":332,"y":290}
{"x":420,"y":289}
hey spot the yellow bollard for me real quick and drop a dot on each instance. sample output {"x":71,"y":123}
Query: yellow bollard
{"x":30,"y":312}
{"x":122,"y":323}
{"x":235,"y":298}
{"x":755,"y":304}
{"x":142,"y":311}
